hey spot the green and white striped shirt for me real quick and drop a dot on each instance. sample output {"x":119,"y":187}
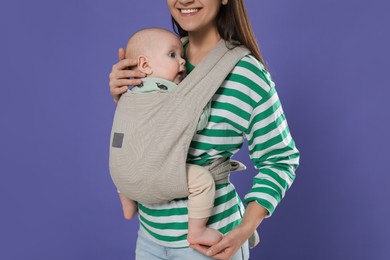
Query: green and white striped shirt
{"x":245,"y":106}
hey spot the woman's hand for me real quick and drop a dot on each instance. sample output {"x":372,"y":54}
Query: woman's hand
{"x":121,"y":77}
{"x":228,"y":246}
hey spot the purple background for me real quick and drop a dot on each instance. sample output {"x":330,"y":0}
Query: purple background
{"x":329,"y":60}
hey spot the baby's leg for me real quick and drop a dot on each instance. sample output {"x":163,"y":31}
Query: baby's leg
{"x":129,"y":207}
{"x":200,"y":203}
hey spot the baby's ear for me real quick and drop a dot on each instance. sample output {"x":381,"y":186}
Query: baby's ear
{"x":143,"y":65}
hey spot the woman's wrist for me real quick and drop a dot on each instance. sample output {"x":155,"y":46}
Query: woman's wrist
{"x":254,"y":215}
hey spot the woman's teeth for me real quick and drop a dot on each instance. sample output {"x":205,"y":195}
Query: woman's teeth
{"x":189,"y":11}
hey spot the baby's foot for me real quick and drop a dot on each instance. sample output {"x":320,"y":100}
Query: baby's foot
{"x":129,"y":207}
{"x":206,"y":236}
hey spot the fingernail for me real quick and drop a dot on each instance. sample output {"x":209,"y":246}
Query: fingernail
{"x":209,"y":252}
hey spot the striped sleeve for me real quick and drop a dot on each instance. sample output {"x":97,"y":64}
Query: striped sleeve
{"x":271,"y":147}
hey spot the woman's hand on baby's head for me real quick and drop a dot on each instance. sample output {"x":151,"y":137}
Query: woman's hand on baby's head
{"x":121,"y":77}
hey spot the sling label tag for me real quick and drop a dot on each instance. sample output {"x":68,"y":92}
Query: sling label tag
{"x":117,"y":140}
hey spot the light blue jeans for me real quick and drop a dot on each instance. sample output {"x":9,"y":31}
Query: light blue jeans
{"x":146,"y":249}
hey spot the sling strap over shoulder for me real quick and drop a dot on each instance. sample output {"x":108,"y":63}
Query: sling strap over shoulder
{"x":151,"y":133}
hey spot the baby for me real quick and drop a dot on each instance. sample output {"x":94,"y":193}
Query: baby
{"x":159,"y":54}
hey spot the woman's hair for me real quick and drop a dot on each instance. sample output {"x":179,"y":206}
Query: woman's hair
{"x":233,"y":26}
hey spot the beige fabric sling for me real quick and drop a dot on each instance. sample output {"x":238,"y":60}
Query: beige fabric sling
{"x":151,"y":133}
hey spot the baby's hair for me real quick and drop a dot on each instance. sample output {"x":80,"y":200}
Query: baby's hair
{"x":139,"y":42}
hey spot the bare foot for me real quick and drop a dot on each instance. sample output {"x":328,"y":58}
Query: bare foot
{"x":205,"y":236}
{"x":129,"y":207}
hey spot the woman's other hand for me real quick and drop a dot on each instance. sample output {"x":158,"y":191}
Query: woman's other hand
{"x":121,"y":77}
{"x":229,"y":245}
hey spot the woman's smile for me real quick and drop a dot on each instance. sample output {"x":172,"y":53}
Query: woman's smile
{"x":195,"y":16}
{"x":189,"y":11}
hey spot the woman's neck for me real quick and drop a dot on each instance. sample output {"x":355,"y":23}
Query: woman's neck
{"x":200,"y":44}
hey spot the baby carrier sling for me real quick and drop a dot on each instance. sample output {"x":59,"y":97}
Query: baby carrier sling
{"x":151,"y":133}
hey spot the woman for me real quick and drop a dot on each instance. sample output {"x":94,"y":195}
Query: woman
{"x":247,"y":105}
